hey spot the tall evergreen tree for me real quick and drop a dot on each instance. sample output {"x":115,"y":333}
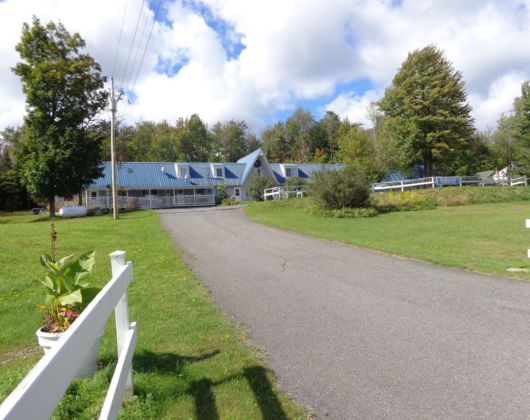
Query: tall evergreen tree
{"x":64,"y":93}
{"x":426,"y":106}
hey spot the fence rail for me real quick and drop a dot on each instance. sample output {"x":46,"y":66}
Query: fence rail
{"x":37,"y":396}
{"x":278,"y":193}
{"x":152,"y":202}
{"x":440,"y":181}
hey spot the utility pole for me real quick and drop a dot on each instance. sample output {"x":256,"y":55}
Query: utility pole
{"x":115,"y":209}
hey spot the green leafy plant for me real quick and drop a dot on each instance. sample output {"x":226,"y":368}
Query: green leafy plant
{"x":220,"y":194}
{"x":68,"y":289}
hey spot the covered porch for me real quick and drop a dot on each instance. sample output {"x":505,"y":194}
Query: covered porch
{"x":154,"y":198}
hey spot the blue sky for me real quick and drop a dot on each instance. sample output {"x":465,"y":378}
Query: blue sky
{"x":260,"y":60}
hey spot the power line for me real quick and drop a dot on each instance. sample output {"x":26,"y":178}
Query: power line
{"x":132,"y":43}
{"x":138,"y":48}
{"x":119,"y":38}
{"x":146,"y":44}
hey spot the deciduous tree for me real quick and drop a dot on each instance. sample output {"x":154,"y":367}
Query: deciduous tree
{"x":426,"y":105}
{"x":64,"y":93}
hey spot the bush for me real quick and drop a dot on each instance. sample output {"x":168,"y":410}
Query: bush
{"x":220,"y":194}
{"x":295,"y":182}
{"x":257,"y":184}
{"x":228,"y":201}
{"x":334,"y":190}
{"x":448,"y":196}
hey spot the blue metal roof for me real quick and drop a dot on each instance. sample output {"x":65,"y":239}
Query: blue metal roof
{"x":249,"y":161}
{"x":144,"y":175}
{"x":305,"y":170}
{"x":162,"y":175}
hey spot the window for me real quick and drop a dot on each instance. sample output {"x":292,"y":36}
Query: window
{"x":291,"y":171}
{"x":237,"y":192}
{"x":182,"y":171}
{"x":219,"y":172}
{"x":93,"y":194}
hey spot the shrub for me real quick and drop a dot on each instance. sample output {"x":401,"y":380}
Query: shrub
{"x":228,"y":201}
{"x":220,"y":194}
{"x":448,"y":196}
{"x":257,"y":184}
{"x":338,"y":189}
{"x":295,"y":182}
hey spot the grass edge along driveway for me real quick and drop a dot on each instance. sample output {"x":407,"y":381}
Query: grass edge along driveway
{"x":190,"y":360}
{"x":488,"y":238}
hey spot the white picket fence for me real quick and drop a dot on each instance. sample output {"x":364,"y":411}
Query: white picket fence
{"x":39,"y":393}
{"x":440,"y":181}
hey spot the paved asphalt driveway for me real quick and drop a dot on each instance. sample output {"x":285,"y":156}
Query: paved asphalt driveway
{"x":356,"y":334}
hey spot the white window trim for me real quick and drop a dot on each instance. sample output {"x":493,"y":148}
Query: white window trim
{"x":186,"y":168}
{"x":215,"y":167}
{"x":237,"y":192}
{"x":293,"y":168}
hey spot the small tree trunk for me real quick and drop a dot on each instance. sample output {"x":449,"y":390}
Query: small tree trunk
{"x":80,"y":202}
{"x":52,"y":207}
{"x":427,"y":164}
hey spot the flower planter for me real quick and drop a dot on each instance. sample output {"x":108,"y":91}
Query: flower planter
{"x":88,"y":367}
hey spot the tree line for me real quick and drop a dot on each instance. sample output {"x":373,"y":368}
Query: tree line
{"x":423,"y":121}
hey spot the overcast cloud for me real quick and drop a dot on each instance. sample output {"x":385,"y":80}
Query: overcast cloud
{"x":259,"y":60}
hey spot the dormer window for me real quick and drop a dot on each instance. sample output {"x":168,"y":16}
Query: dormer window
{"x":290,"y":171}
{"x":182,"y":171}
{"x":218,"y":171}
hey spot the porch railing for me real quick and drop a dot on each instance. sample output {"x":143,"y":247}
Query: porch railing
{"x":152,"y":202}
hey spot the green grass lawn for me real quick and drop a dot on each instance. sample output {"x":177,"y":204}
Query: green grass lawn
{"x":190,"y":361}
{"x":484,"y":237}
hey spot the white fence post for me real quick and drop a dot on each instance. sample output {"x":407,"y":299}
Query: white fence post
{"x":121,"y":313}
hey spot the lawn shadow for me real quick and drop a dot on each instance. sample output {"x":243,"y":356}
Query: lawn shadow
{"x":269,"y":404}
{"x":166,"y":363}
{"x":202,"y":390}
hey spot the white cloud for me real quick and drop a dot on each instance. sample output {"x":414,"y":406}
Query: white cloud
{"x":294,"y":50}
{"x":488,"y":108}
{"x":354,"y":107}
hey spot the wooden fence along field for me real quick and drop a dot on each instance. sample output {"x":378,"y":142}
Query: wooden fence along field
{"x":442,"y":181}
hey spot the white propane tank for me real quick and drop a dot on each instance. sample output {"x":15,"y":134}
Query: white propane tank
{"x":72,"y":211}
